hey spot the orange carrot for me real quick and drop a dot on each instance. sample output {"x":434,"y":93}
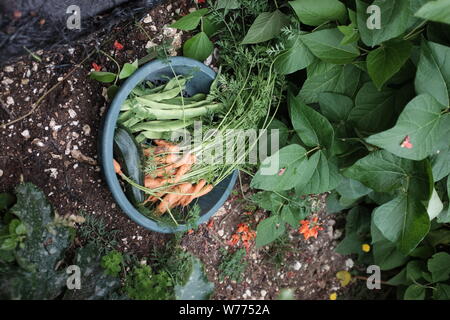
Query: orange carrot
{"x":117,"y":167}
{"x":181,"y":172}
{"x":198,"y":187}
{"x":171,"y":199}
{"x":153,"y":183}
{"x":202,"y":192}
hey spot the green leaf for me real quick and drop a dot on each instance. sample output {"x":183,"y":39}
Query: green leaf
{"x":352,"y":189}
{"x":269,"y":201}
{"x":6,"y":201}
{"x":190,"y":21}
{"x":9,"y":244}
{"x":104,"y":77}
{"x":423,"y":122}
{"x":414,"y":270}
{"x":45,"y":242}
{"x":326,"y":45}
{"x":399,"y":279}
{"x":128,"y":69}
{"x":442,"y":292}
{"x":315,"y":13}
{"x":441,"y":164}
{"x":433,"y":71}
{"x":435,"y":205}
{"x":325,"y":176}
{"x":387,"y":60}
{"x":403,"y":220}
{"x":197,"y":286}
{"x":293,"y":59}
{"x":438,"y":11}
{"x":377,"y":110}
{"x":350,"y":33}
{"x":266,"y":27}
{"x":210,"y":27}
{"x":439,"y":266}
{"x":343,"y":79}
{"x":386,"y":254}
{"x":415,"y":292}
{"x":384,"y":172}
{"x":335,"y":107}
{"x":395,"y":18}
{"x":112,"y":91}
{"x":357,"y":228}
{"x":313,"y":128}
{"x":228,"y":4}
{"x":268,"y":230}
{"x":199,"y":47}
{"x":293,"y":159}
{"x":291,"y":216}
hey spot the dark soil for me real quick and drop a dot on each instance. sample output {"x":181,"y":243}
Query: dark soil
{"x":56,"y":148}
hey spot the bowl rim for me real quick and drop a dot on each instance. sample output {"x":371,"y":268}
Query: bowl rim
{"x":106,"y":148}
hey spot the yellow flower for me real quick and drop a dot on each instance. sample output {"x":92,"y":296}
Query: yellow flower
{"x":365,"y":247}
{"x":333,"y":296}
{"x":345,"y":277}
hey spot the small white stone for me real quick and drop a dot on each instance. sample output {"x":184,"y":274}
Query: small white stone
{"x":72,"y":113}
{"x":148,"y":19}
{"x":248,"y":292}
{"x":86,"y":130}
{"x":10,"y":101}
{"x":150,"y":44}
{"x":297,"y":265}
{"x":26,"y":134}
{"x":9,"y":69}
{"x":1,"y":172}
{"x":349,"y":263}
{"x":221,"y":233}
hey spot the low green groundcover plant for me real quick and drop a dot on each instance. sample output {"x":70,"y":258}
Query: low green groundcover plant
{"x":37,"y":259}
{"x":367,"y":118}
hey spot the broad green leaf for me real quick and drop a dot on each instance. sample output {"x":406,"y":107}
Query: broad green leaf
{"x":293,"y":59}
{"x":210,"y":26}
{"x":441,"y":164}
{"x":266,"y":27}
{"x":45,"y":241}
{"x":199,"y":47}
{"x":268,"y":200}
{"x":415,"y":292}
{"x":335,"y":107}
{"x":293,"y":165}
{"x":291,"y":216}
{"x":433,"y":71}
{"x":314,"y":13}
{"x":438,"y":11}
{"x":197,"y":286}
{"x":425,"y":125}
{"x":395,"y":18}
{"x":190,"y":21}
{"x":105,"y":77}
{"x":439,"y":266}
{"x":376,"y":110}
{"x":384,"y":172}
{"x":442,"y":292}
{"x":343,"y":79}
{"x":439,"y":237}
{"x":325,"y":176}
{"x":352,"y":189}
{"x":112,"y":91}
{"x":357,"y":228}
{"x":414,"y":270}
{"x":268,"y":230}
{"x":350,"y":34}
{"x":399,"y":279}
{"x":326,"y":45}
{"x":387,"y":256}
{"x":404,"y":221}
{"x":228,"y":4}
{"x":387,"y":60}
{"x":128,"y":69}
{"x":313,"y":128}
{"x":9,"y":244}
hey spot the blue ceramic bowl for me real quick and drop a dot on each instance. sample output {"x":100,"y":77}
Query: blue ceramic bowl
{"x":202,"y":77}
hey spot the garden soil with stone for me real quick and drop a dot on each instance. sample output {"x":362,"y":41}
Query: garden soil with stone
{"x":56,"y":148}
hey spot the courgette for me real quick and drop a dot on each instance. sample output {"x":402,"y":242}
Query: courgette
{"x":129,"y":155}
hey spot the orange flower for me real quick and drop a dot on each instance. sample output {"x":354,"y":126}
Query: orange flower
{"x":96,"y":66}
{"x":407,"y":143}
{"x":242,"y":227}
{"x":211,"y":224}
{"x":310,"y":228}
{"x":234,"y":240}
{"x":118,"y":45}
{"x":190,"y":231}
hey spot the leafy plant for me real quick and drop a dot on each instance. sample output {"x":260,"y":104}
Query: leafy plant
{"x":143,"y":284}
{"x":112,"y":263}
{"x":233,"y":265}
